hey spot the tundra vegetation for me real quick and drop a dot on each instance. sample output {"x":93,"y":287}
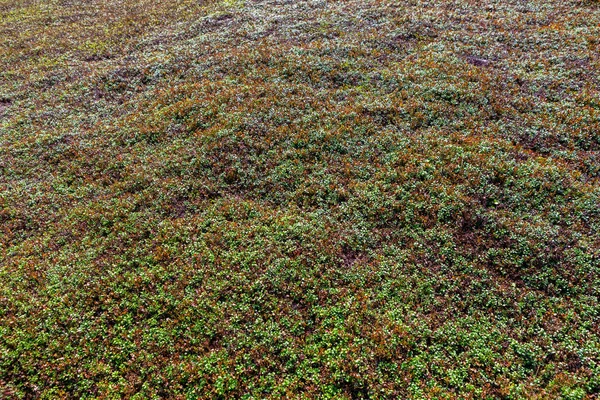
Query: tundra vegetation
{"x":300,"y":199}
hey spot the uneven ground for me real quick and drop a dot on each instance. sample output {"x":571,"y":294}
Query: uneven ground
{"x":300,"y":199}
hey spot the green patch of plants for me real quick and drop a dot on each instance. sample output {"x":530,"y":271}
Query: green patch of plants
{"x":254,"y":199}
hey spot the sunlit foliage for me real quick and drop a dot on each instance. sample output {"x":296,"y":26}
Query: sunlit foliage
{"x":299,"y":199}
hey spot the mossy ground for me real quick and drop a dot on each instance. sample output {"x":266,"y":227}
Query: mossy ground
{"x":300,"y":199}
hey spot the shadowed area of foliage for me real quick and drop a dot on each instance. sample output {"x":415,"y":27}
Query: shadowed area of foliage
{"x":300,"y":199}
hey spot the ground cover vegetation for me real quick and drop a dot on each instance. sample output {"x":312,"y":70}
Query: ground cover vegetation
{"x":299,"y":199}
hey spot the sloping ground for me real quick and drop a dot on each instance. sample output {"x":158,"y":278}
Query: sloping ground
{"x":300,"y":199}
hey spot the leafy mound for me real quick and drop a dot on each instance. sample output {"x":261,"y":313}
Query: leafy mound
{"x":274,"y":198}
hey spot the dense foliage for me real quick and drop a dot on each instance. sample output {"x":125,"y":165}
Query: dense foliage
{"x":300,"y":199}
